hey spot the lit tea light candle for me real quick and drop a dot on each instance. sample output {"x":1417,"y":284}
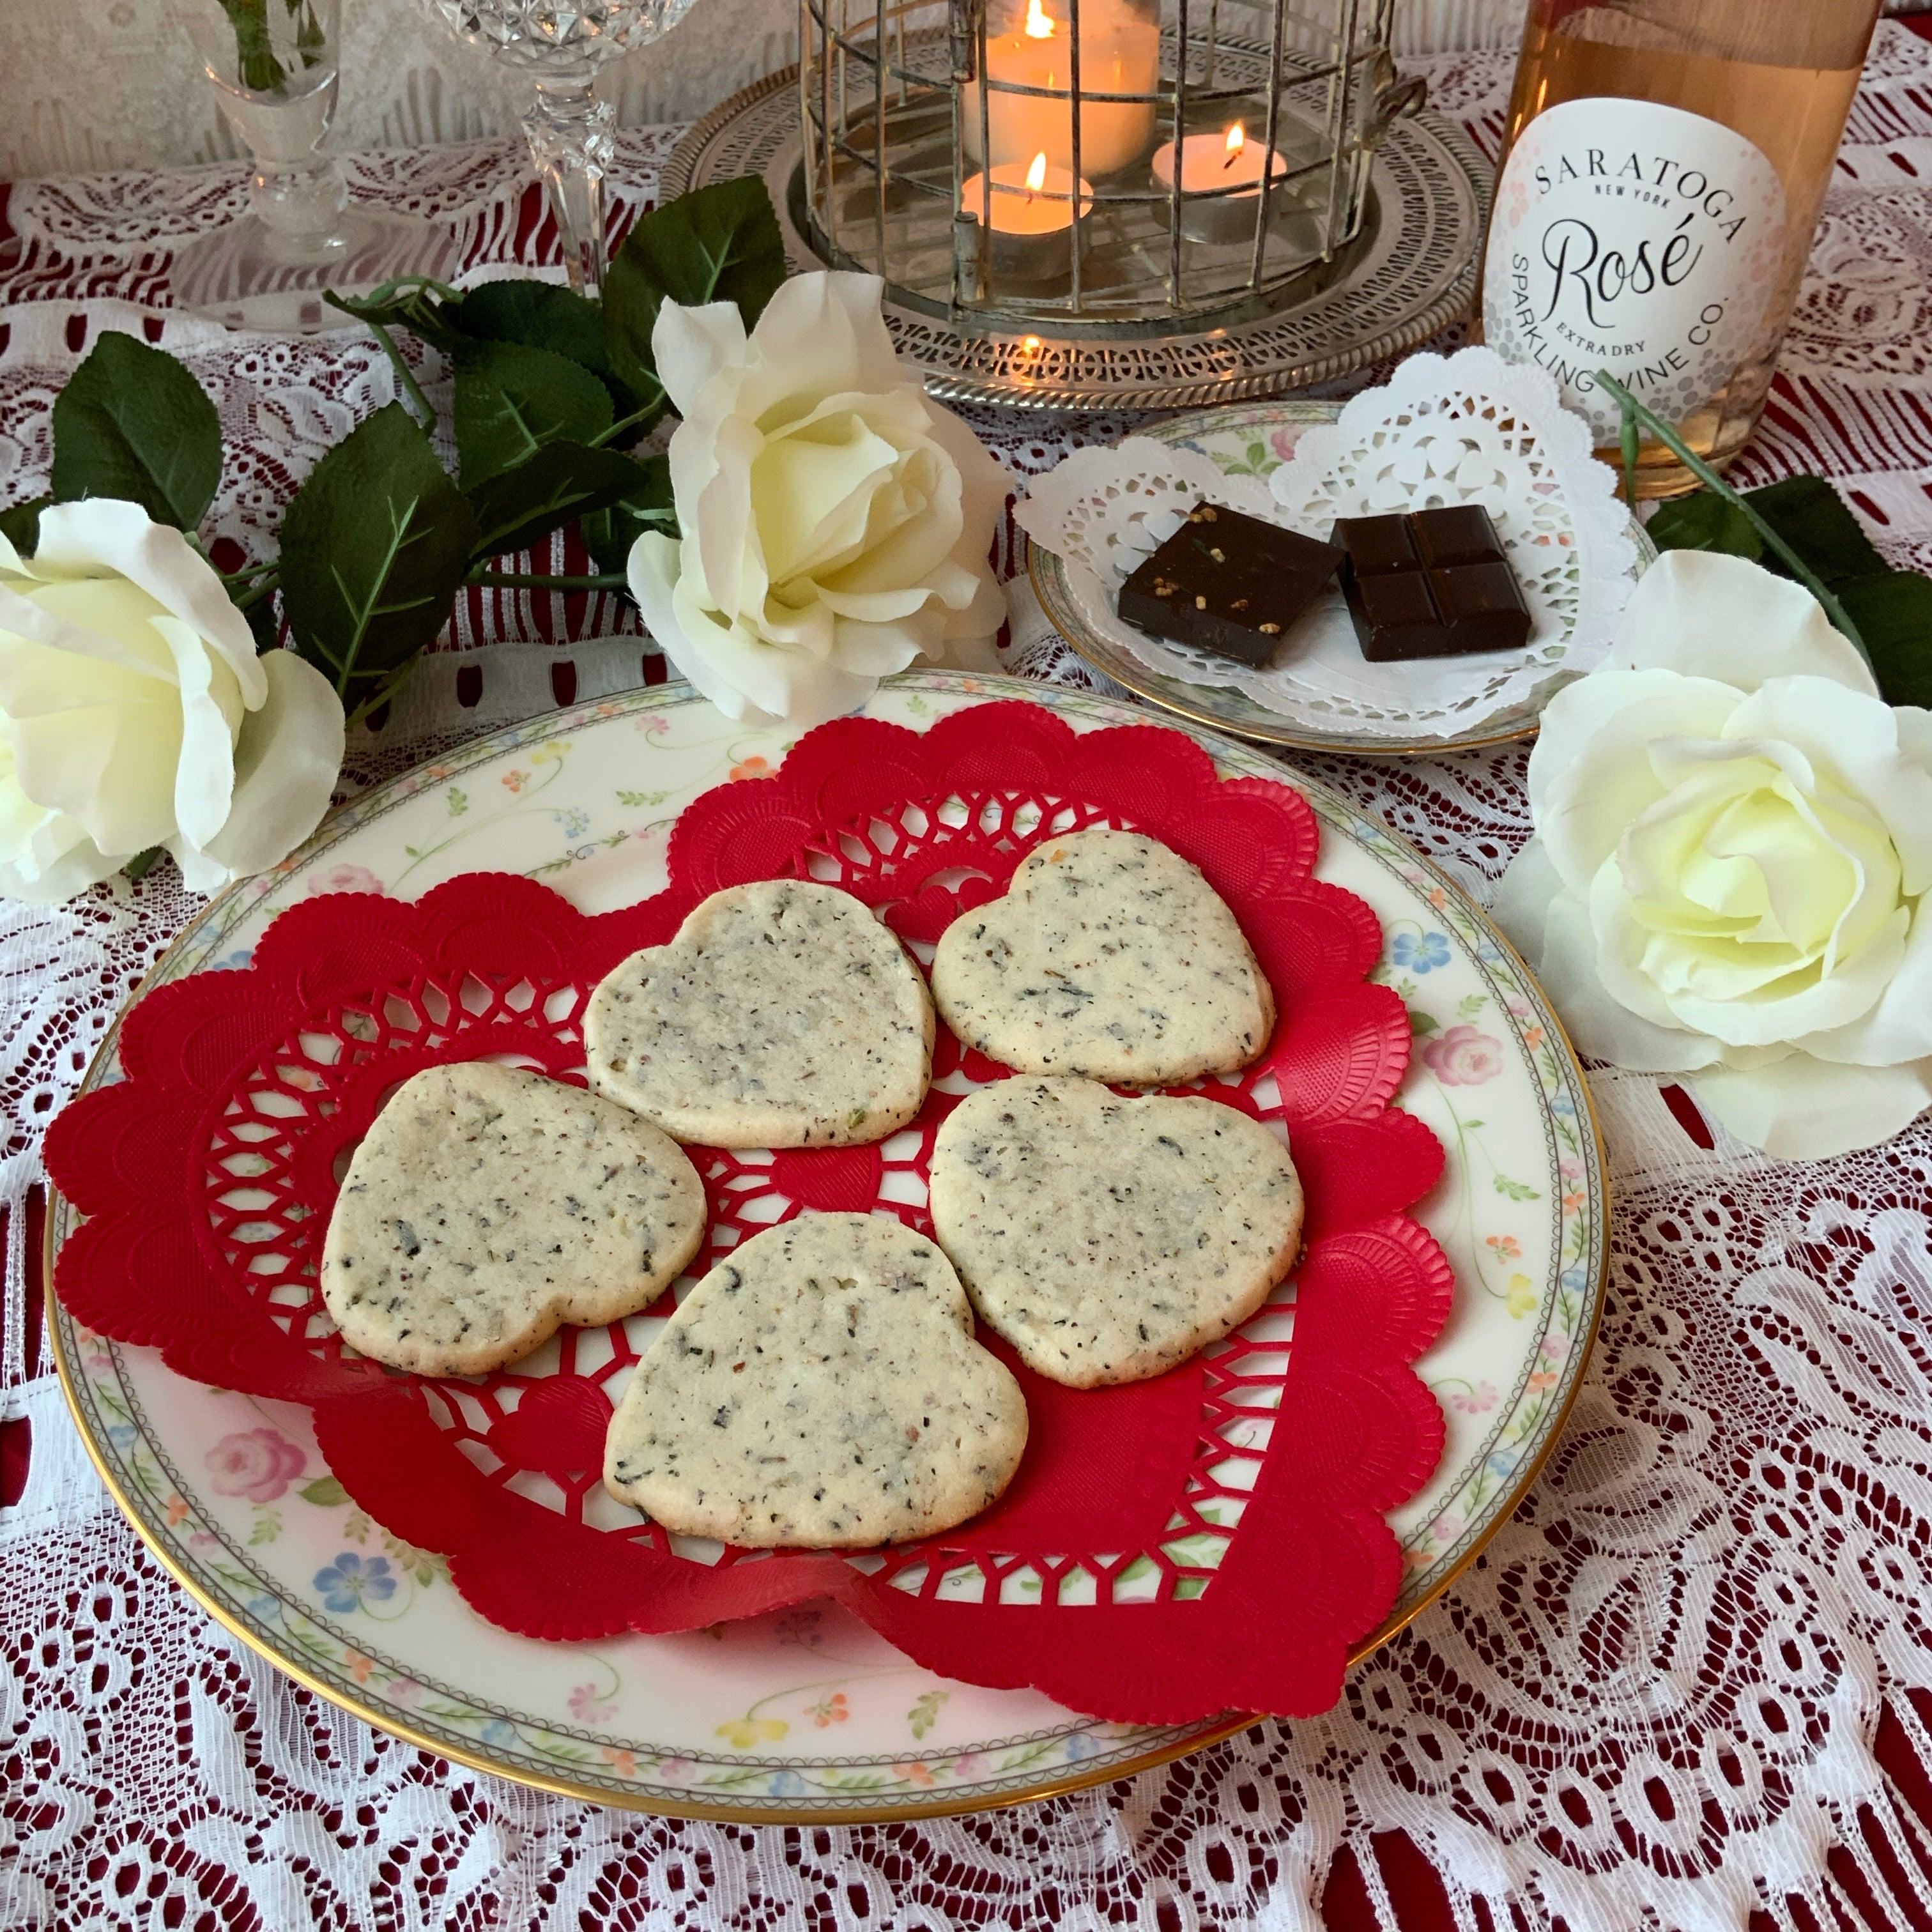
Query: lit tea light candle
{"x":1030,"y":209}
{"x":1120,"y":53}
{"x":1214,"y":163}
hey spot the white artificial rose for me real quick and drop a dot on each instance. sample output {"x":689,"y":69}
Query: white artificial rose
{"x":1733,"y":848}
{"x":836,"y":523}
{"x":134,"y":712}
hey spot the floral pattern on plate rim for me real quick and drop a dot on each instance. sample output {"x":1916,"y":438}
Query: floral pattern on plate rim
{"x":307,"y":1633}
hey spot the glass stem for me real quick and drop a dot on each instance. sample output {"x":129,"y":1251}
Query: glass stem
{"x":573,"y":146}
{"x":303,"y":202}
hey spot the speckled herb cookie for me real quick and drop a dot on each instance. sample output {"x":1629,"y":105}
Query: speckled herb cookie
{"x":1108,"y":1240}
{"x":486,"y":1206}
{"x":1109,"y":956}
{"x":820,"y":1389}
{"x":783,"y":1015}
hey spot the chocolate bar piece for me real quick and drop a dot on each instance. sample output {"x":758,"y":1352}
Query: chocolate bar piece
{"x":1434,"y":584}
{"x":1228,"y":583}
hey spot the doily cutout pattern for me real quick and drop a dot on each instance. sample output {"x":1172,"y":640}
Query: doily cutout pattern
{"x":1464,"y":430}
{"x":1247,"y":1552}
{"x":1471,"y":428}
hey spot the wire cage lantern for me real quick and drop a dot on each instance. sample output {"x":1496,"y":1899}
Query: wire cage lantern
{"x":1110,"y":167}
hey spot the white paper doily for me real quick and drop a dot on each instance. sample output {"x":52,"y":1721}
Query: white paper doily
{"x":1468,"y":429}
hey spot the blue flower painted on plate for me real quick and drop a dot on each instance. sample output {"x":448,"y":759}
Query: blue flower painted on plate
{"x":120,"y":1434}
{"x":575,"y":822}
{"x":1576,"y":1279}
{"x":784,"y":1784}
{"x":264,"y":1607}
{"x":233,"y":962}
{"x":1420,"y":955}
{"x":1079,"y":1746}
{"x":350,"y":1578}
{"x":497,"y":1732}
{"x":1562,"y":1106}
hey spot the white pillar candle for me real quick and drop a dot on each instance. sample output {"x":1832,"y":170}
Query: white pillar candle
{"x":1120,"y":53}
{"x":1213,"y":164}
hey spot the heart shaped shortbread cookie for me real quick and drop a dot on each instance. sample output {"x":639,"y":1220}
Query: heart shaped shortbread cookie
{"x":783,"y":1015}
{"x":486,"y":1206}
{"x":820,"y":1388}
{"x":1108,"y":1239}
{"x":1109,"y":956}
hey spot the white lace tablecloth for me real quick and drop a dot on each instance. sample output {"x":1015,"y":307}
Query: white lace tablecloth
{"x":1689,"y":1683}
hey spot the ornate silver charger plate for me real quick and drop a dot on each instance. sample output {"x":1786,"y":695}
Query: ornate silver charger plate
{"x":1410,"y":272}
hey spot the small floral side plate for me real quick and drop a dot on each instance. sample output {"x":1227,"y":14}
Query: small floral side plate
{"x":807,"y":1716}
{"x":1255,"y":439}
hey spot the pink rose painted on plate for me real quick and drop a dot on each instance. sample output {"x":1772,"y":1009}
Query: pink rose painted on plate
{"x":257,"y":1463}
{"x":1462,"y":1057}
{"x":341,"y":879}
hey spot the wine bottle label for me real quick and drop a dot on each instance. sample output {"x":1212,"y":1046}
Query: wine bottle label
{"x":1635,"y":237}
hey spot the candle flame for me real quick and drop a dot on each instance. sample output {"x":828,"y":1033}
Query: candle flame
{"x":1236,"y":139}
{"x":1039,"y":24}
{"x":1035,"y":175}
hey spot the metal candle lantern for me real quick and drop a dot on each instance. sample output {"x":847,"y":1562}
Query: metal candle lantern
{"x":1110,"y":168}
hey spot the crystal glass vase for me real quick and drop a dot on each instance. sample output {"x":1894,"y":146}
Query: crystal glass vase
{"x":274,"y":67}
{"x":561,"y":46}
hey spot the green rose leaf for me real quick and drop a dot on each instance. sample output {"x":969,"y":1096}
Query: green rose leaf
{"x":1892,"y":609}
{"x":512,"y":399}
{"x":561,"y":482}
{"x":716,"y":244}
{"x":540,"y":315}
{"x":375,"y":546}
{"x":133,"y":423}
{"x":609,"y":535}
{"x":1893,"y":614}
{"x":21,"y":525}
{"x":1705,"y":521}
{"x":1806,"y":511}
{"x":325,"y":1492}
{"x":1420,"y":1023}
{"x":1820,"y":526}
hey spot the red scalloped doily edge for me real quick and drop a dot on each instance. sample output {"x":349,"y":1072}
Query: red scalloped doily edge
{"x":1311,"y":1567}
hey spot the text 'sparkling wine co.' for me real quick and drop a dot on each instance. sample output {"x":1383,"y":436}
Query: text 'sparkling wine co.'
{"x":1664,"y":166}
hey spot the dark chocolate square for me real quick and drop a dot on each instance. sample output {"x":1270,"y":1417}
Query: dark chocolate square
{"x":1460,"y":534}
{"x":1228,"y":583}
{"x":1394,"y":616}
{"x":1376,"y":543}
{"x":1452,"y":593}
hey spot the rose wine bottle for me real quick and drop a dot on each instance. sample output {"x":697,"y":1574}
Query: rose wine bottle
{"x":1663,"y":166}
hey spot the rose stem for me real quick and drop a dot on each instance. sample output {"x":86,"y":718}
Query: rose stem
{"x":631,"y":421}
{"x":415,"y":401}
{"x":1635,"y":412}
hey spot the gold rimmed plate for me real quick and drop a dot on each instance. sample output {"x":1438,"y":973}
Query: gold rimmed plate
{"x":806,"y":1716}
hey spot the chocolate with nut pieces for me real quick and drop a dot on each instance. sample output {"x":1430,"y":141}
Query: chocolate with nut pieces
{"x":1228,"y":583}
